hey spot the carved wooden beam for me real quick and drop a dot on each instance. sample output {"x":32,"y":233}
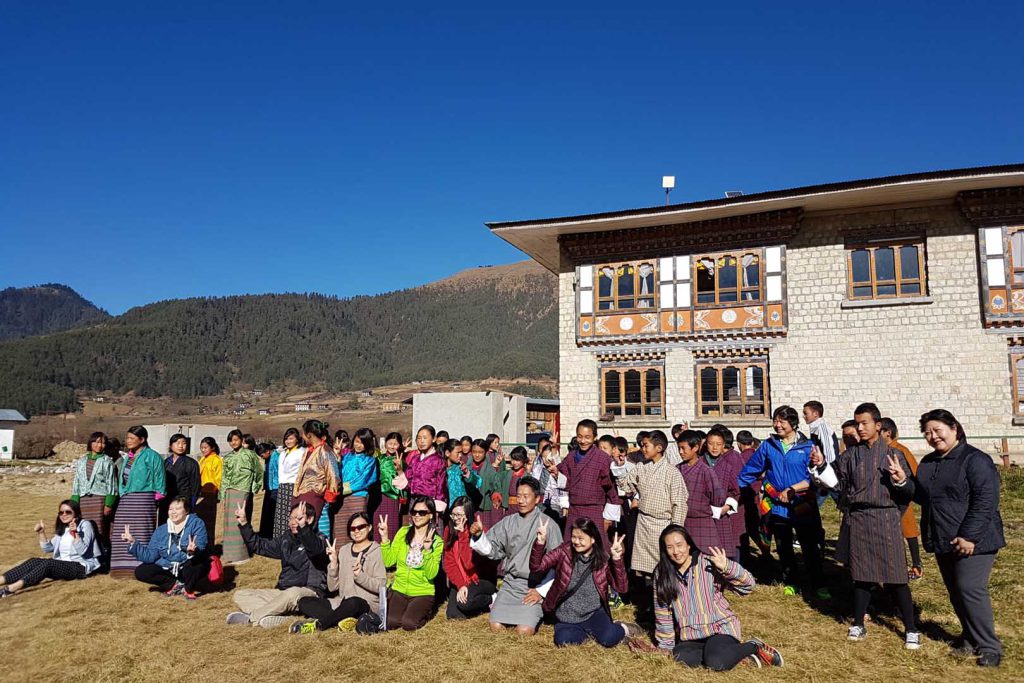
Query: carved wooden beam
{"x":993,"y":208}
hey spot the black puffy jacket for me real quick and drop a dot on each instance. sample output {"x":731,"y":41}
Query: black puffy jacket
{"x":303,"y":556}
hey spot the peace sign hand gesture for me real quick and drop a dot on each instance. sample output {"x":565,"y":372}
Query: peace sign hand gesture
{"x":718,"y":559}
{"x":332,"y":551}
{"x":126,"y":536}
{"x":240,"y":515}
{"x":191,"y":549}
{"x":382,"y":528}
{"x":618,"y":548}
{"x":39,"y":527}
{"x":896,"y":472}
{"x":542,"y":532}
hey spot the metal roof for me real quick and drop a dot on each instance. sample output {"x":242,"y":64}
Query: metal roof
{"x":11,"y":415}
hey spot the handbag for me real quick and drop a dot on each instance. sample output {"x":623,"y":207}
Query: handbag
{"x":216,"y":574}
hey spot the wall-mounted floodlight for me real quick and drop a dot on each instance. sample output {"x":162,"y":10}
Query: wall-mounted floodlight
{"x":667,"y":183}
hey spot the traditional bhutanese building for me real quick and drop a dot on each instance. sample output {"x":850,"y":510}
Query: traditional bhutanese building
{"x":906,"y":290}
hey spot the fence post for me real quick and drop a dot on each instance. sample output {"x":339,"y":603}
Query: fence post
{"x":1005,"y":452}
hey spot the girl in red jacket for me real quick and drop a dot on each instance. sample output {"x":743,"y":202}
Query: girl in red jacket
{"x":472,"y":578}
{"x":583,"y":575}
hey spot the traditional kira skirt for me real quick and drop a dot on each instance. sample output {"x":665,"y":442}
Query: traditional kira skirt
{"x":138,"y":511}
{"x":283,"y":509}
{"x":392,"y":509}
{"x":92,"y":509}
{"x":349,"y":506}
{"x":234,"y":549}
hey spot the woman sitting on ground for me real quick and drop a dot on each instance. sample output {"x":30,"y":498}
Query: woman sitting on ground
{"x":693,"y":621}
{"x":75,"y":547}
{"x":472,"y":578}
{"x":578,"y":598}
{"x":356,"y":573}
{"x":415,"y":552}
{"x":175,"y":558}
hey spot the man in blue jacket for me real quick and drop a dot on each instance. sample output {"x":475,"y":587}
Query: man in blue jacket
{"x":788,"y":503}
{"x":175,"y":558}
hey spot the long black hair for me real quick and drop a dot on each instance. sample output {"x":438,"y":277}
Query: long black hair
{"x":666,"y":588}
{"x":397,"y":437}
{"x":319,"y":429}
{"x":139,"y":432}
{"x":466,"y":504}
{"x":59,"y":526}
{"x":367,"y":438}
{"x":292,"y":431}
{"x":212,"y":443}
{"x":597,"y":552}
{"x":426,"y":500}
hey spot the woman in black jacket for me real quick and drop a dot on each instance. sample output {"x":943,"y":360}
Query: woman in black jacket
{"x":957,"y":486}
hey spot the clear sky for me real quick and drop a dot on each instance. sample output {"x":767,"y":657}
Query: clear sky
{"x":161,"y":150}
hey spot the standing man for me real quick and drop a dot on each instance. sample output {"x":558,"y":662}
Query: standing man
{"x":588,"y":479}
{"x":820,"y":432}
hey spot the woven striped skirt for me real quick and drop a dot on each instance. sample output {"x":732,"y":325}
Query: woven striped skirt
{"x":392,"y":509}
{"x":206,"y":510}
{"x":92,"y":509}
{"x":283,"y":509}
{"x":138,"y":512}
{"x":234,"y":550}
{"x":349,"y":506}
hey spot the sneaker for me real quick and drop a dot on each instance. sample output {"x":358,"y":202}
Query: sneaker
{"x":174,"y":590}
{"x":632,"y":629}
{"x":305,"y":626}
{"x":856,"y":633}
{"x":238,"y":619}
{"x":766,"y":653}
{"x":824,"y":594}
{"x":751,"y":660}
{"x":348,"y":624}
{"x":5,"y":592}
{"x":274,"y":620}
{"x":189,"y":595}
{"x":989,"y":659}
{"x":913,"y":641}
{"x":789,"y":590}
{"x":616,"y":601}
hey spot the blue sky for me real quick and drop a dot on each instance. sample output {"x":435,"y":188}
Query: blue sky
{"x":152,"y":151}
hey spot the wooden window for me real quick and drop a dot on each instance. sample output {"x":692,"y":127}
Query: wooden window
{"x":626,"y":286}
{"x":1016,"y":260}
{"x":1017,"y":377}
{"x":886,"y":269}
{"x":633,"y":390}
{"x":726,"y":387}
{"x":729,"y":277}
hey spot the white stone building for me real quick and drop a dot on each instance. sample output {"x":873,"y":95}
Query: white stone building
{"x":907,"y":291}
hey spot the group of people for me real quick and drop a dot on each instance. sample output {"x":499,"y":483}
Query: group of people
{"x":526,"y":536}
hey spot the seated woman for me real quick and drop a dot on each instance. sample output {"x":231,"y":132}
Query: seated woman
{"x":578,"y":598}
{"x":415,"y":552}
{"x":356,"y":573}
{"x":693,"y":622}
{"x":472,"y":580}
{"x":75,"y":547}
{"x":175,"y":558}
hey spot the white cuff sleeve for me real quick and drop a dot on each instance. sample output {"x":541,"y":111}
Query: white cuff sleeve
{"x":716,"y":512}
{"x":612,"y":512}
{"x":481,"y":545}
{"x":545,"y":585}
{"x":733,"y":505}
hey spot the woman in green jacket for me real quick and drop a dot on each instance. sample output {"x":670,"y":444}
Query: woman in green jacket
{"x":141,"y":484}
{"x":415,"y":552}
{"x":387,"y":501}
{"x":95,"y":485}
{"x":241,"y":480}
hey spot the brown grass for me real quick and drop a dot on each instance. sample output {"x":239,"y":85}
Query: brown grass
{"x":106,"y":630}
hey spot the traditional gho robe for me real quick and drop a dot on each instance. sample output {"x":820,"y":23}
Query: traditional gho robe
{"x":662,"y":498}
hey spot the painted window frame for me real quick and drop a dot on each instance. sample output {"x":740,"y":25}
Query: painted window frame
{"x":623,"y":405}
{"x":741,"y":364}
{"x":616,"y":296}
{"x":872,"y":246}
{"x":739,"y":289}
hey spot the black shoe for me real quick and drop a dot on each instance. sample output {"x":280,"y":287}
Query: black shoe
{"x":989,"y":659}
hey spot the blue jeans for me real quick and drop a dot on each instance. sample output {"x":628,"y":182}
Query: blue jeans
{"x":598,"y":626}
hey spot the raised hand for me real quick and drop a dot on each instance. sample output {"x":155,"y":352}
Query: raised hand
{"x":718,"y":559}
{"x":896,"y":472}
{"x":39,"y":527}
{"x":191,"y":549}
{"x":618,"y":548}
{"x":332,"y":551}
{"x":382,"y":527}
{"x":126,"y":536}
{"x":240,"y":515}
{"x":477,"y":528}
{"x":73,"y":528}
{"x":816,"y":457}
{"x":542,"y":532}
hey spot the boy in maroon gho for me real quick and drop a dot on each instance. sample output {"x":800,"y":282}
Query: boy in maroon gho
{"x":587,"y":472}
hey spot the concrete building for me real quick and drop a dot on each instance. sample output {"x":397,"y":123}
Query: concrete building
{"x":160,"y":436}
{"x":907,"y":291}
{"x":9,"y":419}
{"x":479,"y":413}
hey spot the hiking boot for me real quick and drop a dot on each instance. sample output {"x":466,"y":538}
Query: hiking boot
{"x":305,"y":626}
{"x":174,"y":590}
{"x":856,"y":633}
{"x":273,"y":620}
{"x":632,"y":629}
{"x":992,"y":659}
{"x":766,"y":653}
{"x":238,"y":619}
{"x":348,"y":624}
{"x":913,"y":641}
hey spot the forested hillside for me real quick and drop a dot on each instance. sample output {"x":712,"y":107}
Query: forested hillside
{"x":492,"y":322}
{"x":43,"y":309}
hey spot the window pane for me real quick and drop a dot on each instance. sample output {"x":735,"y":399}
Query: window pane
{"x":755,"y":383}
{"x":605,"y":305}
{"x":632,"y":388}
{"x":731,"y":384}
{"x":645,"y":271}
{"x":626,"y":281}
{"x":611,"y":388}
{"x":862,"y":292}
{"x":708,"y":385}
{"x":909,"y":265}
{"x":861,"y":266}
{"x":1017,"y":249}
{"x":645,"y":302}
{"x":727,"y":272}
{"x":751,"y":271}
{"x":625,"y":303}
{"x":885,"y":265}
{"x":633,"y":410}
{"x":705,"y":281}
{"x":652,"y":386}
{"x":910,"y":289}
{"x":886,"y":290}
{"x":604,"y":282}
{"x":652,"y":410}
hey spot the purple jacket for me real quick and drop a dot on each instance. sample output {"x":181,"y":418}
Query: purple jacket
{"x":589,"y":482}
{"x":427,"y":476}
{"x":560,"y":559}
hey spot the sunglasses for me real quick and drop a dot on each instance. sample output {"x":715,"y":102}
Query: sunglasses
{"x":361,"y":527}
{"x":420,"y":513}
{"x":67,"y":512}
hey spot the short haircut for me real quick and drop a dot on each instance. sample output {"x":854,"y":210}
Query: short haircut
{"x":532,"y":482}
{"x":677,"y":429}
{"x":621,"y":443}
{"x":608,"y":439}
{"x":744,"y":438}
{"x":588,"y":424}
{"x":945,"y":417}
{"x":816,"y":407}
{"x":442,"y":433}
{"x":849,"y":424}
{"x":868,"y":409}
{"x":787,"y":413}
{"x":658,"y":438}
{"x":235,"y":432}
{"x":641,"y":435}
{"x":519,"y":453}
{"x":715,"y":431}
{"x":175,"y":439}
{"x":182,"y":500}
{"x":888,"y":425}
{"x":690,"y":437}
{"x":262,"y":448}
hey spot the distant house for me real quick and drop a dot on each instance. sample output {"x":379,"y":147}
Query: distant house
{"x":321,"y":406}
{"x":366,"y":393}
{"x":456,"y":385}
{"x":238,"y":411}
{"x":100,"y":399}
{"x":303,"y":407}
{"x":263,"y":411}
{"x":393,"y":407}
{"x":257,"y":392}
{"x":9,"y":419}
{"x":244,"y":404}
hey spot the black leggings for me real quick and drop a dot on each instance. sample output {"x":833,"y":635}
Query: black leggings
{"x":189,"y":573}
{"x":915,"y":552}
{"x":719,"y":652}
{"x":38,"y":568}
{"x":900,"y":595}
{"x":329,"y":617}
{"x":477,"y":602}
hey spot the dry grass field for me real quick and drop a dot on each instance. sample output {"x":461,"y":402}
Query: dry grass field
{"x":106,"y":630}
